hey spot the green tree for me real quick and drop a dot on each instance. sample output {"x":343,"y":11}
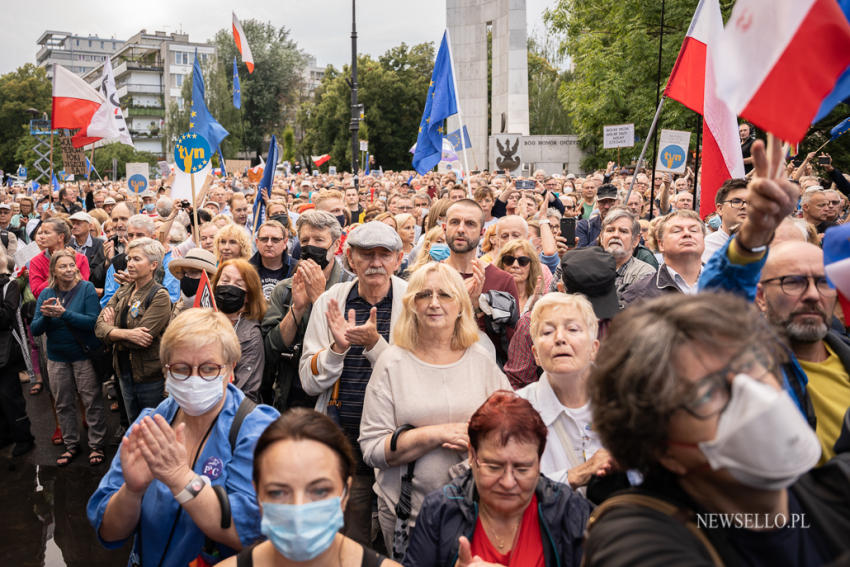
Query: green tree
{"x":288,"y":143}
{"x":614,"y":50}
{"x":546,"y":114}
{"x":104,"y":155}
{"x":25,"y":93}
{"x":392,"y":91}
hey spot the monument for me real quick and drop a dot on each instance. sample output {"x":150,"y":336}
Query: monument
{"x":468,"y":22}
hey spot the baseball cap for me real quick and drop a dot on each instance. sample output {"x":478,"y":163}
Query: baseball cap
{"x":593,"y":272}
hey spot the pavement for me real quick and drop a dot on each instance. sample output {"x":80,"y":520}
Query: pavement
{"x":45,"y":520}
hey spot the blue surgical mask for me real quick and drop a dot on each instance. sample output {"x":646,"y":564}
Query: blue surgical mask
{"x":302,"y":532}
{"x":149,"y":207}
{"x":714,"y":222}
{"x":439,"y":251}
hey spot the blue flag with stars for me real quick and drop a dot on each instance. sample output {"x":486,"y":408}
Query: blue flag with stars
{"x":440,"y":103}
{"x":55,"y":183}
{"x":454,"y":138}
{"x":840,"y":128}
{"x":237,"y":91}
{"x":200,"y":119}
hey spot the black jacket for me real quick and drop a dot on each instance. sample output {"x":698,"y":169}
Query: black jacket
{"x":588,"y":231}
{"x":650,"y":287}
{"x":97,"y":263}
{"x":452,"y":511}
{"x":636,"y":535}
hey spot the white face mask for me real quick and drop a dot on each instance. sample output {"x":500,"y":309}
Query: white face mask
{"x":762,"y":439}
{"x":195,"y":395}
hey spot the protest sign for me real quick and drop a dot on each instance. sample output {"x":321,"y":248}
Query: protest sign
{"x":673,"y":151}
{"x":618,"y":136}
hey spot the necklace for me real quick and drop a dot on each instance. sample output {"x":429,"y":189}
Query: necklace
{"x":501,"y":544}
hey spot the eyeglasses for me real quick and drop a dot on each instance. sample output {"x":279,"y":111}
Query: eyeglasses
{"x":711,"y":394}
{"x":736,"y":203}
{"x":272,"y":239}
{"x":509,"y":260}
{"x":798,"y":284}
{"x":404,"y":208}
{"x":495,"y":471}
{"x":180,"y":371}
{"x":428,"y":294}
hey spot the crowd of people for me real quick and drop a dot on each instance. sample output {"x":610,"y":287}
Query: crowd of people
{"x":432,"y":371}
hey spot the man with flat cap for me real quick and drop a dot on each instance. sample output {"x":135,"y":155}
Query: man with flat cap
{"x":350,"y":326}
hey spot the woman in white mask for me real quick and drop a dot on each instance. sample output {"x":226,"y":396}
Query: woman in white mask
{"x":181,"y":477}
{"x":687,"y":390}
{"x":303,"y":466}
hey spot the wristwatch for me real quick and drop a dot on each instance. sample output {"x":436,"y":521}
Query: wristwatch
{"x":192,"y":489}
{"x":756,"y":250}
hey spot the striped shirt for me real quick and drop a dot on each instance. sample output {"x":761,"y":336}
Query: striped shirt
{"x":357,"y":370}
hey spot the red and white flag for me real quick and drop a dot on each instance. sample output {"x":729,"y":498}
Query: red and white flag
{"x":204,"y":297}
{"x":108,"y":121}
{"x":242,"y":44}
{"x":692,"y":83}
{"x":319,"y":160}
{"x":74,"y":101}
{"x":777,"y":60}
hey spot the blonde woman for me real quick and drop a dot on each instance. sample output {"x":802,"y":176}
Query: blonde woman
{"x":434,"y":236}
{"x":232,"y":242}
{"x":423,"y":380}
{"x":521,"y":260}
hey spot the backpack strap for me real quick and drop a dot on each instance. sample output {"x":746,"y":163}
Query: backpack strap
{"x":682,"y":515}
{"x":245,"y":407}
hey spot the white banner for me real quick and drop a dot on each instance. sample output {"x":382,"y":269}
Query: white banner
{"x":673,"y":151}
{"x":618,"y":136}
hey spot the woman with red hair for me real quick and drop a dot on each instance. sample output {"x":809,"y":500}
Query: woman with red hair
{"x":503,"y":511}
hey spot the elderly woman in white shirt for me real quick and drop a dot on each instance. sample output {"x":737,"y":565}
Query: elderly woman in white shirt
{"x":430,"y":381}
{"x":563,"y":333}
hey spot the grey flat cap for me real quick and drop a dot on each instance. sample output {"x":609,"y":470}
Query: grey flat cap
{"x":81,"y":216}
{"x":375,"y":234}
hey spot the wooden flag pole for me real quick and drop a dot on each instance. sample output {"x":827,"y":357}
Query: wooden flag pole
{"x":195,"y":228}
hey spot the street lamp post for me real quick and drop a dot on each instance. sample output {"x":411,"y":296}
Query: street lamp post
{"x":355,"y":113}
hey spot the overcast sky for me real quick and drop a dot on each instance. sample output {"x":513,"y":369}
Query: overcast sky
{"x":321,"y":28}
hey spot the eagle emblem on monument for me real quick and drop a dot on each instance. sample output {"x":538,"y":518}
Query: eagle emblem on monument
{"x":508,"y":160}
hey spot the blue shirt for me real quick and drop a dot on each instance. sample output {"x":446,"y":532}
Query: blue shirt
{"x":80,"y":314}
{"x":232,"y":469}
{"x":170,"y":283}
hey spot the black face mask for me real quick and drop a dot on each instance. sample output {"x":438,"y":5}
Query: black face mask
{"x":341,"y":220}
{"x":315,"y":253}
{"x":282,"y":219}
{"x":189,"y":286}
{"x":229,"y":298}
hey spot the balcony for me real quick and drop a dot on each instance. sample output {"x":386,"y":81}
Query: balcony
{"x":137,"y":88}
{"x":125,"y":66}
{"x":137,"y":111}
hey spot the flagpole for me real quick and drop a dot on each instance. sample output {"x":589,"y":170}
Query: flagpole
{"x":643,"y":151}
{"x":459,"y":116}
{"x":194,"y":210}
{"x":696,"y":162}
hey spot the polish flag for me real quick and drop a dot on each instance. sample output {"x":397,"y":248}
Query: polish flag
{"x":242,"y":44}
{"x":319,"y":160}
{"x":778,"y":60}
{"x":74,"y":101}
{"x":692,"y":83}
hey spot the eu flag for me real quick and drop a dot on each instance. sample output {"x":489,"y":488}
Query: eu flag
{"x":266,"y":183}
{"x":840,"y":128}
{"x":237,"y":91}
{"x":440,"y":103}
{"x":200,"y":120}
{"x":454,"y":138}
{"x":55,"y":183}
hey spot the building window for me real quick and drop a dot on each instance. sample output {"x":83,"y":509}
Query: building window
{"x":186,"y":58}
{"x":180,"y":103}
{"x":89,"y":43}
{"x":178,"y":80}
{"x":77,"y":42}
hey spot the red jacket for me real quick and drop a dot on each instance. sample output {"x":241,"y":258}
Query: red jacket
{"x":39,"y":271}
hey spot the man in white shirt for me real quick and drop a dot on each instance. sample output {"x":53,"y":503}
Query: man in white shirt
{"x":731,"y":205}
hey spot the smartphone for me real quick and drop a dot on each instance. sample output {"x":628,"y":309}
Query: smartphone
{"x":824,"y":160}
{"x":568,"y":230}
{"x":523,"y":184}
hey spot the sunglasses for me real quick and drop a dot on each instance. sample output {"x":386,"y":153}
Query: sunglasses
{"x":509,"y":260}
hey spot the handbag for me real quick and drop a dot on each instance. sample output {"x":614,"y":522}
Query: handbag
{"x":334,"y":404}
{"x":100,"y":356}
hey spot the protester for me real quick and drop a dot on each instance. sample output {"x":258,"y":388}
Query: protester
{"x":133,"y":322}
{"x":421,"y":382}
{"x":271,"y":261}
{"x":188,"y":270}
{"x":207,"y":233}
{"x":54,"y":234}
{"x":232,"y":242}
{"x":239,"y":296}
{"x":563,"y":330}
{"x":502,"y":511}
{"x":519,"y":259}
{"x":731,"y":204}
{"x":588,"y":228}
{"x":681,"y":242}
{"x":620,"y":237}
{"x":702,"y":416}
{"x":83,"y":242}
{"x":343,"y":345}
{"x":290,"y":307}
{"x":66,"y":312}
{"x":161,"y":487}
{"x":303,"y":466}
{"x":14,"y":423}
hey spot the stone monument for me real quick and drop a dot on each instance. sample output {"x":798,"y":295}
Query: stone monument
{"x":468,"y":22}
